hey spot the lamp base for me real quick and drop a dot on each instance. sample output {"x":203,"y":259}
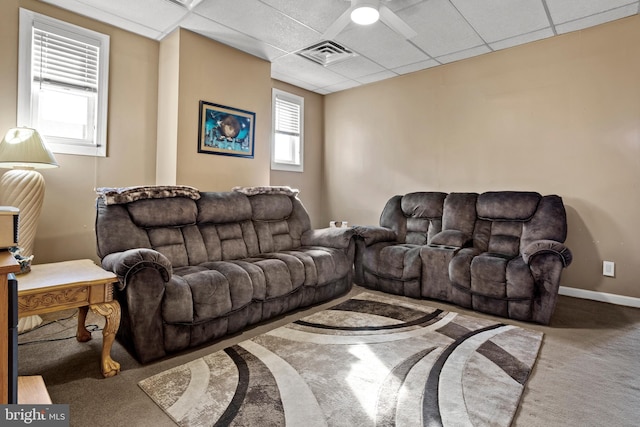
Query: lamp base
{"x":24,"y":189}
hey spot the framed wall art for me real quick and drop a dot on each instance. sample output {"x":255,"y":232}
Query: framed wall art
{"x":225,"y":130}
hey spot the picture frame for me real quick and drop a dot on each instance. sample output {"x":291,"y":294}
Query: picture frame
{"x":226,"y":130}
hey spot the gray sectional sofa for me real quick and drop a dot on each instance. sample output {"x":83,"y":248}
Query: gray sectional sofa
{"x":496,"y":252}
{"x":195,"y":266}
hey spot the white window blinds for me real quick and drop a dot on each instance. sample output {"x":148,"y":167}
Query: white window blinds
{"x":287,"y":144}
{"x":287,"y":117}
{"x":63,"y":61}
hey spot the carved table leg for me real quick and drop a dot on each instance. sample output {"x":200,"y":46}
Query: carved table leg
{"x":82,"y":335}
{"x":111,"y":312}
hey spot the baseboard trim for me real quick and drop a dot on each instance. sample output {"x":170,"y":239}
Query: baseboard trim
{"x":600,"y":296}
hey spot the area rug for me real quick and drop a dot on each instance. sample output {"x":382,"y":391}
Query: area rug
{"x":372,"y":360}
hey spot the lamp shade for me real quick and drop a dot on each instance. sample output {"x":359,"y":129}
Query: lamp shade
{"x":25,"y":148}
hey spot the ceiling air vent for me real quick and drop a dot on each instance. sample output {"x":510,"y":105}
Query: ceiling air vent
{"x":327,"y":53}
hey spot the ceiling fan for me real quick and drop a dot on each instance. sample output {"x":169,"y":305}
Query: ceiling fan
{"x":370,"y":11}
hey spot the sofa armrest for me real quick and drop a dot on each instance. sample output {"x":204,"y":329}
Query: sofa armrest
{"x":375,"y":234}
{"x":125,"y":264}
{"x":338,"y":238}
{"x":454,"y":238}
{"x":547,"y":247}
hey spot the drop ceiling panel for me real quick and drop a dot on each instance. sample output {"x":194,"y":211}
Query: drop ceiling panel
{"x":155,"y":14}
{"x":521,"y":39}
{"x":416,"y":67}
{"x":306,"y":70}
{"x":317,"y":14}
{"x":441,"y":29}
{"x":356,"y":67}
{"x":381,"y":44}
{"x":383,"y":75}
{"x":597,"y":19}
{"x":259,"y":21}
{"x":347,"y":84}
{"x":231,"y":37}
{"x":99,"y":14}
{"x":464,"y":54}
{"x":569,"y":10}
{"x":498,"y":19}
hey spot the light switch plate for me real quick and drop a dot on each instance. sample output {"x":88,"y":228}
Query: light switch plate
{"x":608,"y":268}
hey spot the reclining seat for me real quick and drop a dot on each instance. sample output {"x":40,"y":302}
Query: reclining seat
{"x":513,"y":269}
{"x":304,"y":268}
{"x":389,"y":256}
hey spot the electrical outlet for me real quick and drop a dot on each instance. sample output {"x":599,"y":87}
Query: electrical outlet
{"x":608,"y":268}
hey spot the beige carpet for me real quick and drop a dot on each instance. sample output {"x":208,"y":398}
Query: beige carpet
{"x":586,"y":373}
{"x":373,"y":360}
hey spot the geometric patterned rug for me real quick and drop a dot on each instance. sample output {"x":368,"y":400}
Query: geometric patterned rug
{"x":374,"y":360}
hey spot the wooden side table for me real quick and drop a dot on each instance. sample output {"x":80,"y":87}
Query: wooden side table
{"x":81,"y":283}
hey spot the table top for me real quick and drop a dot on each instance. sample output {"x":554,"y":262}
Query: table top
{"x":64,"y":274}
{"x":8,"y":263}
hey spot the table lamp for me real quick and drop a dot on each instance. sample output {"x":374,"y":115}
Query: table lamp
{"x":23,"y":151}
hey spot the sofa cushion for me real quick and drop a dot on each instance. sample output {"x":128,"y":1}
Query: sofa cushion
{"x":548,"y":223}
{"x":505,"y":238}
{"x":497,"y":277}
{"x":277,"y":207}
{"x":279,"y":221}
{"x":423,"y":213}
{"x":171,"y":212}
{"x":393,"y":261}
{"x":223,"y":207}
{"x":424,"y":204}
{"x":207,"y":291}
{"x":507,"y":205}
{"x":459,"y":212}
{"x":229,"y":241}
{"x":323,"y":265}
{"x":170,"y":243}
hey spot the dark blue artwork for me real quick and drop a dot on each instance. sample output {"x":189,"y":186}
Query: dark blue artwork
{"x":225,"y":130}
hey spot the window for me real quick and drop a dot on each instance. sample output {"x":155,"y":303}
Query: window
{"x":287,"y":146}
{"x":62,"y":84}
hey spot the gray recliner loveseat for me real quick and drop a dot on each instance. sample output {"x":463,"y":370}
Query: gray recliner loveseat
{"x":497,"y":252}
{"x":195,"y":266}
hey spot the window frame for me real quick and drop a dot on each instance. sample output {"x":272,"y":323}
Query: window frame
{"x":295,"y":99}
{"x":26,"y":108}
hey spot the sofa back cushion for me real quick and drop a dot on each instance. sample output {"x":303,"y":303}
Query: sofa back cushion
{"x":279,"y":221}
{"x":225,"y":228}
{"x":501,"y":218}
{"x":115,"y":232}
{"x":415,"y":217}
{"x":148,"y":223}
{"x":548,"y":223}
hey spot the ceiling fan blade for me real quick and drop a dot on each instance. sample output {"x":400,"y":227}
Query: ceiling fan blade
{"x":396,"y":23}
{"x":338,"y":25}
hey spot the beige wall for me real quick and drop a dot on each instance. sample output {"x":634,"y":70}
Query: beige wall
{"x":560,"y":116}
{"x":309,"y":182}
{"x":168,"y":93}
{"x":557,"y":116}
{"x":66,"y":227}
{"x":216,"y":73}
